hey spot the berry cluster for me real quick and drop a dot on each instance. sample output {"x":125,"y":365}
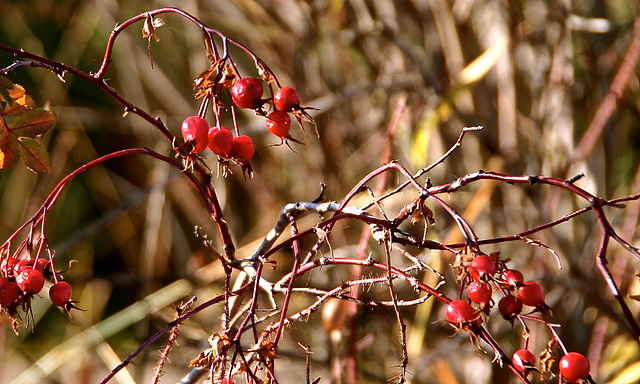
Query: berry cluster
{"x":483,"y":275}
{"x":22,"y":279}
{"x":245,"y":92}
{"x":196,"y":131}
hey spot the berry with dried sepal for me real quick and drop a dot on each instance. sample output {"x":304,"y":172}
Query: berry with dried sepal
{"x":247,"y":93}
{"x":286,"y":99}
{"x":195,"y":130}
{"x":574,"y":367}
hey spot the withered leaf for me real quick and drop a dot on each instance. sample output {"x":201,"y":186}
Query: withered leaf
{"x":150,"y":25}
{"x":267,"y":349}
{"x":428,"y":213}
{"x":201,"y":361}
{"x":209,"y":46}
{"x":218,"y":343}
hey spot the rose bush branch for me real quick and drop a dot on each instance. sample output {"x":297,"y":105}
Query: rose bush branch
{"x":39,"y":217}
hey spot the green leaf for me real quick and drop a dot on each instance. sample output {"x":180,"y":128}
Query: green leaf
{"x":8,"y":148}
{"x":34,"y":155}
{"x":33,"y":123}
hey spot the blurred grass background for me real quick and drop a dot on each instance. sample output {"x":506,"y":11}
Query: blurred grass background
{"x":544,"y":68}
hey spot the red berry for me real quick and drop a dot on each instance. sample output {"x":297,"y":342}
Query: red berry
{"x":285,"y":99}
{"x":511,"y":279}
{"x":532,"y":294}
{"x":9,"y":292}
{"x":30,"y":281}
{"x":479,"y":292}
{"x":25,"y":264}
{"x":243,"y":147}
{"x":460,"y":312}
{"x":60,"y":293}
{"x":195,"y":129}
{"x":41,"y":264}
{"x":574,"y":366}
{"x":220,"y":140}
{"x":22,"y":265}
{"x":246,"y":92}
{"x":509,"y":306}
{"x":278,"y":123}
{"x":482,"y":267}
{"x":523,"y":359}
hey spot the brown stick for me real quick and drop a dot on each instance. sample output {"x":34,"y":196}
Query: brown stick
{"x":608,"y":105}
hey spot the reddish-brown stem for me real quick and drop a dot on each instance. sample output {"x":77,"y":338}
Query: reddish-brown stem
{"x":40,"y":215}
{"x":60,"y":69}
{"x":120,"y":27}
{"x":168,"y":328}
{"x":484,"y":334}
{"x":602,"y":262}
{"x":294,"y":272}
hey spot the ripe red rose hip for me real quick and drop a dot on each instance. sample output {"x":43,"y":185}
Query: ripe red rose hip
{"x":482,"y":267}
{"x":523,"y":359}
{"x":511,"y":279}
{"x":30,"y":281}
{"x":285,"y":99}
{"x":531,"y":294}
{"x":9,"y":292}
{"x":60,"y":293}
{"x":220,"y":141}
{"x":479,"y":292}
{"x":243,"y":147}
{"x":246,"y":92}
{"x":509,"y":306}
{"x":195,"y":129}
{"x":279,"y":123}
{"x":574,"y":366}
{"x":460,"y":313}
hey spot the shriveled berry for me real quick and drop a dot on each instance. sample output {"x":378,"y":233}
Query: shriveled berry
{"x":531,"y":294}
{"x":523,"y":360}
{"x":479,"y":293}
{"x":195,"y":130}
{"x":30,"y":263}
{"x":509,"y":306}
{"x":460,"y":313}
{"x":511,"y":279}
{"x":9,"y":292}
{"x":8,"y":265}
{"x":285,"y":99}
{"x":243,"y":147}
{"x":482,"y":267}
{"x":30,"y":281}
{"x":279,"y":123}
{"x":60,"y":293}
{"x":246,"y":92}
{"x":574,"y":366}
{"x":220,"y":141}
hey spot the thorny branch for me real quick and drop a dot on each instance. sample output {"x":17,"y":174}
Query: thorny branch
{"x":387,"y":232}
